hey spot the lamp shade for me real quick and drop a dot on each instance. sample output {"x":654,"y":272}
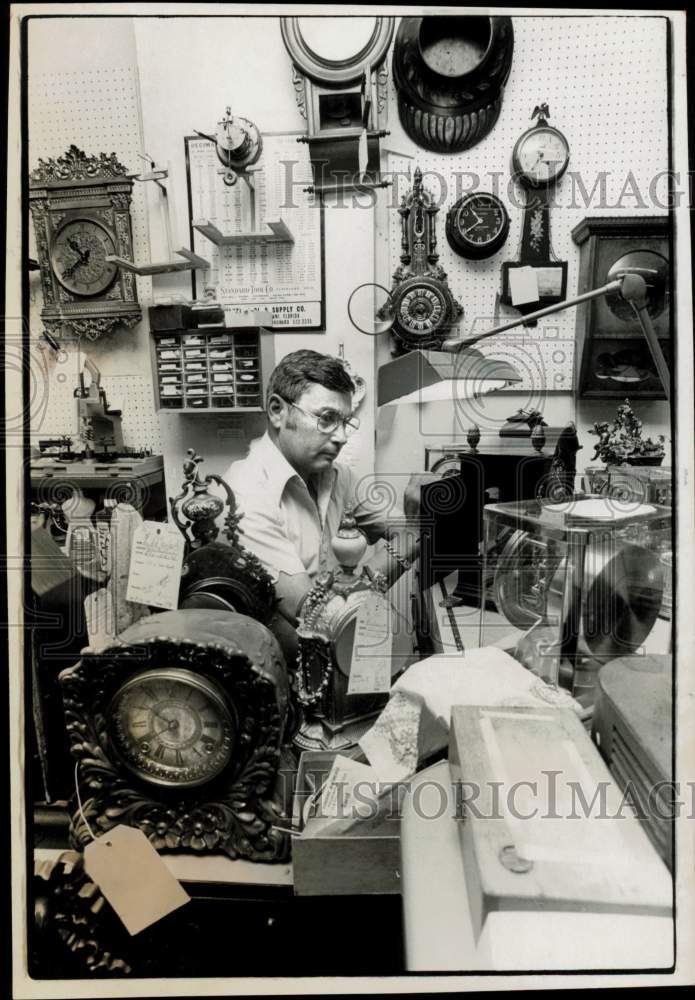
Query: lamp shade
{"x":429,"y":376}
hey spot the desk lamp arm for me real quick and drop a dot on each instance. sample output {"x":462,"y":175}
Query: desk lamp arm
{"x":632,"y":287}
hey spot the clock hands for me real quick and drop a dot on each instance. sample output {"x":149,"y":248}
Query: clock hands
{"x":70,"y":270}
{"x":471,"y":228}
{"x":83,"y":258}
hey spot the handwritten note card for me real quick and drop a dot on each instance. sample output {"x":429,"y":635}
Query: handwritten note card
{"x":370,"y":667}
{"x":155,"y":565}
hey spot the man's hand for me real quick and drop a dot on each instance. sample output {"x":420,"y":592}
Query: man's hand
{"x":411,"y":496}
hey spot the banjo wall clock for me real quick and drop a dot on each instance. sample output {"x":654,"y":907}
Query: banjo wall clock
{"x":539,"y":160}
{"x":81,"y":210}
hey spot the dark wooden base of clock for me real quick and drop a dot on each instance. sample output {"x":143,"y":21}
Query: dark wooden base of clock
{"x":552,"y":285}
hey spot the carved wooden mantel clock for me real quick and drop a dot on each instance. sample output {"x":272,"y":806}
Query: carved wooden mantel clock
{"x":539,"y":160}
{"x":421,"y":305}
{"x":81,"y":210}
{"x":177,"y":725}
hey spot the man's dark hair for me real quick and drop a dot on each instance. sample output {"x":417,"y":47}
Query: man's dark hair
{"x":297,"y":371}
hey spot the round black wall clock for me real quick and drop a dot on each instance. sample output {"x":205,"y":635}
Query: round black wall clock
{"x":477,"y":226}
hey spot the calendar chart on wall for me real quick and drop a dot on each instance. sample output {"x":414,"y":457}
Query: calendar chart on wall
{"x":282,"y":279}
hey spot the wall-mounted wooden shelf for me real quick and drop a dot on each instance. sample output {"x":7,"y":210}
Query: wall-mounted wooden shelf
{"x":277,"y":232}
{"x":190,"y":261}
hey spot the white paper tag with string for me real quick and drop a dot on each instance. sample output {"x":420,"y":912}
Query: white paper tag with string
{"x":156,"y":559}
{"x":133,"y":878}
{"x":370,"y":667}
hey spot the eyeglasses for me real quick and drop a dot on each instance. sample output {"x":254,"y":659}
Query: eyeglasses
{"x":329,"y":420}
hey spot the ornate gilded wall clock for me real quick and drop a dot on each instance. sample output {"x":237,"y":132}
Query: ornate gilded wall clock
{"x":421,"y":304}
{"x":539,"y":160}
{"x":81,"y":210}
{"x":177,"y":729}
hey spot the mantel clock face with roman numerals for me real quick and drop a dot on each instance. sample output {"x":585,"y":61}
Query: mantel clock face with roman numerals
{"x":539,"y":159}
{"x":81,"y":210}
{"x":172,"y":727}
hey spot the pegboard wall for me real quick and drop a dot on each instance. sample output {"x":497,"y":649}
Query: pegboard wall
{"x":605,"y":81}
{"x":98,"y":111}
{"x":131,"y":392}
{"x":83,"y":99}
{"x":105,"y":84}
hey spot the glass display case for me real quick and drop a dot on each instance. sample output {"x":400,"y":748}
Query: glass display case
{"x":653,"y":484}
{"x":584,"y":581}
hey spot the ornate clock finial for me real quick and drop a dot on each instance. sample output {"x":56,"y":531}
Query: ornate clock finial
{"x":349,"y":545}
{"x":200,"y":508}
{"x":542,"y":111}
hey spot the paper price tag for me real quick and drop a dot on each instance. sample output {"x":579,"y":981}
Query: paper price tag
{"x":101,"y":624}
{"x":155,"y":565}
{"x":370,"y":667}
{"x":523,"y":285}
{"x":133,"y":878}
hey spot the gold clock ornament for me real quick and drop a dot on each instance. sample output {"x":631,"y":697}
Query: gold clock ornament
{"x":80,"y":206}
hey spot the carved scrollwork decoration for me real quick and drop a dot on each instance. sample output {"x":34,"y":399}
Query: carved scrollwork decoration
{"x":235,"y":813}
{"x":421,"y":305}
{"x":69,"y":906}
{"x":299,"y":94}
{"x":75,"y":165}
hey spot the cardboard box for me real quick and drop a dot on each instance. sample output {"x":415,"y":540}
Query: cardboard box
{"x":341,"y":856}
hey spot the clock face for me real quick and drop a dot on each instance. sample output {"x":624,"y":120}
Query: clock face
{"x":78,"y":257}
{"x":172,"y":727}
{"x":421,"y":309}
{"x":477,"y":225}
{"x":541,"y":155}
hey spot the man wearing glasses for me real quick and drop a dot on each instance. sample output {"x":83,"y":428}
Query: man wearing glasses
{"x":293,"y":493}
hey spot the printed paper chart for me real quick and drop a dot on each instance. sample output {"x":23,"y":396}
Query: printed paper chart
{"x":284,"y":278}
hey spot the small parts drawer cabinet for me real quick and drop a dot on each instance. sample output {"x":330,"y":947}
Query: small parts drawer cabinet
{"x":213,"y":369}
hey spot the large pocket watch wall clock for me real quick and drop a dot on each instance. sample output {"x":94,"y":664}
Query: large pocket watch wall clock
{"x":450,"y":74}
{"x":421,"y":304}
{"x":539,"y":160}
{"x":81,"y":210}
{"x":177,"y":729}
